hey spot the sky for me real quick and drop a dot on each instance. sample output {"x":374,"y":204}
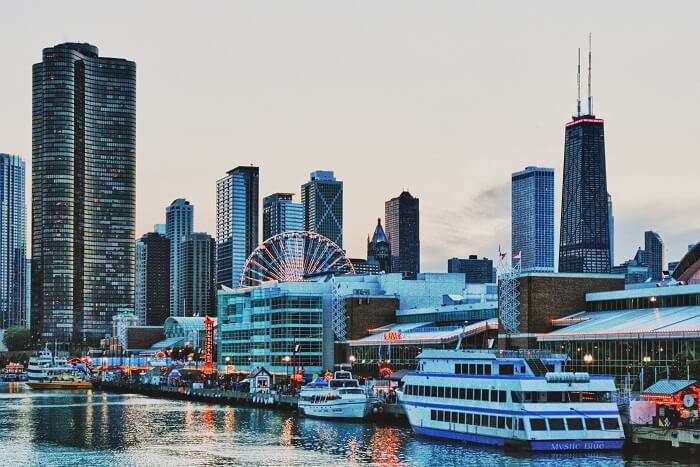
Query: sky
{"x":442,"y":98}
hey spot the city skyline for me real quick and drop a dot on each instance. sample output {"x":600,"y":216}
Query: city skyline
{"x":443,"y":134}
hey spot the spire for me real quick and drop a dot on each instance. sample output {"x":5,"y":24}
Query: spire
{"x":379,"y":235}
{"x":578,"y":85}
{"x":590,"y":100}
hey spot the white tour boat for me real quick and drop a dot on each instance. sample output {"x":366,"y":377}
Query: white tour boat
{"x":339,"y":397}
{"x":44,"y":366}
{"x":519,"y":399}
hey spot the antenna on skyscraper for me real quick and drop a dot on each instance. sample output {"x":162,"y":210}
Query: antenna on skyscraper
{"x":578,"y":85}
{"x":590,"y":101}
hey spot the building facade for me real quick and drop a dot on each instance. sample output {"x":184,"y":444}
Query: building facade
{"x":13,"y":247}
{"x":611,"y":230}
{"x":236,"y":222}
{"x":179,"y":220}
{"x":280,"y":215}
{"x":401,"y":215}
{"x":83,"y":191}
{"x":475,"y":270}
{"x":533,"y":218}
{"x":197,"y":276}
{"x":379,"y":249}
{"x":322,"y":198}
{"x":152,"y":294}
{"x":655,"y":254}
{"x":584,"y":240}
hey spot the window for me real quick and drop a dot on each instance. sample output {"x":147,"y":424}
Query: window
{"x":479,"y":369}
{"x":501,"y":396}
{"x":472,"y":369}
{"x":538,"y":424}
{"x":573,"y":424}
{"x":441,"y":391}
{"x":506,"y":369}
{"x":433,"y":391}
{"x":494,"y":396}
{"x":521,"y":424}
{"x":433,"y":415}
{"x":611,"y":424}
{"x":477,"y":419}
{"x":470,"y":419}
{"x":493,"y":421}
{"x":556,"y":424}
{"x":455,"y":393}
{"x":462,"y":393}
{"x":487,"y":369}
{"x":484,"y":394}
{"x":509,"y":423}
{"x":502,"y":422}
{"x":470,"y":394}
{"x":455,"y":417}
{"x":593,"y":424}
{"x":461,"y":418}
{"x":459,"y":368}
{"x":421,"y":390}
{"x":440,"y":416}
{"x":516,"y":396}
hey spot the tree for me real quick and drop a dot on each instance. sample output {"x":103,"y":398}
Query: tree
{"x":16,"y":338}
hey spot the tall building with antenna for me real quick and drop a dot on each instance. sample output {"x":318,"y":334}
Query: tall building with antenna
{"x":584,"y":242}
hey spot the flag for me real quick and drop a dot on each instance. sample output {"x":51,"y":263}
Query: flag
{"x":517,"y":254}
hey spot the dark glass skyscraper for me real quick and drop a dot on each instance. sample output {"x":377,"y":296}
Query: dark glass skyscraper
{"x":401,"y":215}
{"x":237,"y":233}
{"x":179,"y":221}
{"x":13,"y":242}
{"x":83,"y":191}
{"x":655,"y":254}
{"x":152,"y":290}
{"x":322,"y":197}
{"x":475,"y":270}
{"x":280,"y":215}
{"x":197,"y":281}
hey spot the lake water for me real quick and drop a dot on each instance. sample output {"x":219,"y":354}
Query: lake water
{"x":96,"y":429}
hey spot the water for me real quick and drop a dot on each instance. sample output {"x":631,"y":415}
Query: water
{"x":96,"y":429}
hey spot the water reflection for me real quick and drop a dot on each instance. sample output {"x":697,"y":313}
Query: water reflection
{"x":70,"y":428}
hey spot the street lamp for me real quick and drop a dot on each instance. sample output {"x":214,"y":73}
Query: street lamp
{"x":351,"y":359}
{"x":588,"y":359}
{"x":286,"y":360}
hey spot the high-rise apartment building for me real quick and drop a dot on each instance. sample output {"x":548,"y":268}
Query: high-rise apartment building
{"x":152,"y":289}
{"x":13,"y":238}
{"x":533,"y":218}
{"x":475,"y":270}
{"x":179,"y":220}
{"x":584,"y":240}
{"x":197,"y":281}
{"x":401,"y":215}
{"x":83,"y":192}
{"x":322,"y":198}
{"x":280,"y":215}
{"x":611,"y":230}
{"x":379,"y":249}
{"x":237,"y":232}
{"x":655,"y":254}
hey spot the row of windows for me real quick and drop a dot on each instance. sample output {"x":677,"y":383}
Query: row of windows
{"x":456,"y":393}
{"x":536,"y":424}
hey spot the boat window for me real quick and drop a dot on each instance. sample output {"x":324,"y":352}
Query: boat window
{"x":611,"y":424}
{"x":493,"y":423}
{"x":470,"y":394}
{"x":555,"y":396}
{"x":458,"y":368}
{"x":494,"y":396}
{"x":455,"y":417}
{"x":455,"y":392}
{"x":556,"y":424}
{"x":538,"y":424}
{"x":501,"y":396}
{"x":515,"y":396}
{"x":433,"y":415}
{"x":462,"y":393}
{"x":470,"y":419}
{"x":441,"y":391}
{"x":421,"y":390}
{"x":502,"y":422}
{"x":509,"y":423}
{"x":487,"y":369}
{"x":352,"y":391}
{"x":573,"y":424}
{"x":477,"y":419}
{"x":521,"y":424}
{"x":593,"y":424}
{"x":433,"y":391}
{"x":484,"y":394}
{"x":506,"y":369}
{"x":472,"y":369}
{"x":441,"y":416}
{"x":461,"y":418}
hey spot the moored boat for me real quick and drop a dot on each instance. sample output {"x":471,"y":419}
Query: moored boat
{"x":45,"y":366}
{"x":62,"y":382}
{"x":338,"y":397}
{"x":519,"y":399}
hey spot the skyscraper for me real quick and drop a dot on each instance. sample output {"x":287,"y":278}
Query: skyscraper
{"x":611,"y":228}
{"x":179,"y":218}
{"x":584,"y":241}
{"x":401,"y":215}
{"x":533,"y":218}
{"x":236,"y":222}
{"x":475,"y":270}
{"x":655,"y":254}
{"x":13,"y":237}
{"x":83,"y":191}
{"x":152,"y":290}
{"x":379,"y":249}
{"x":322,"y":198}
{"x":197,"y":276}
{"x":280,"y":214}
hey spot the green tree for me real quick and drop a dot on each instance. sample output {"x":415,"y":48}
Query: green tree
{"x":16,"y":338}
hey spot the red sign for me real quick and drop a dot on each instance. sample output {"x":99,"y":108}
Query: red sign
{"x":208,"y":345}
{"x":392,"y":336}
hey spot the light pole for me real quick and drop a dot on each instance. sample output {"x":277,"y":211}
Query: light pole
{"x":286,"y":360}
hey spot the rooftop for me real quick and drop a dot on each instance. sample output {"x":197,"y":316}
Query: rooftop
{"x":423,"y":333}
{"x":644,"y":292}
{"x":668,"y":386}
{"x":651,"y":323}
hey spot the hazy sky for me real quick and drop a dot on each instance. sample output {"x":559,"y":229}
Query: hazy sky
{"x":443,"y":98}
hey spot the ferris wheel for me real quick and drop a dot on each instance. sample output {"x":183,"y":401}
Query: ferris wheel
{"x":294,"y":256}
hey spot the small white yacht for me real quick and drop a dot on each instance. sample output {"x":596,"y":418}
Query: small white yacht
{"x":519,"y":399}
{"x":339,"y":397}
{"x":44,"y":366}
